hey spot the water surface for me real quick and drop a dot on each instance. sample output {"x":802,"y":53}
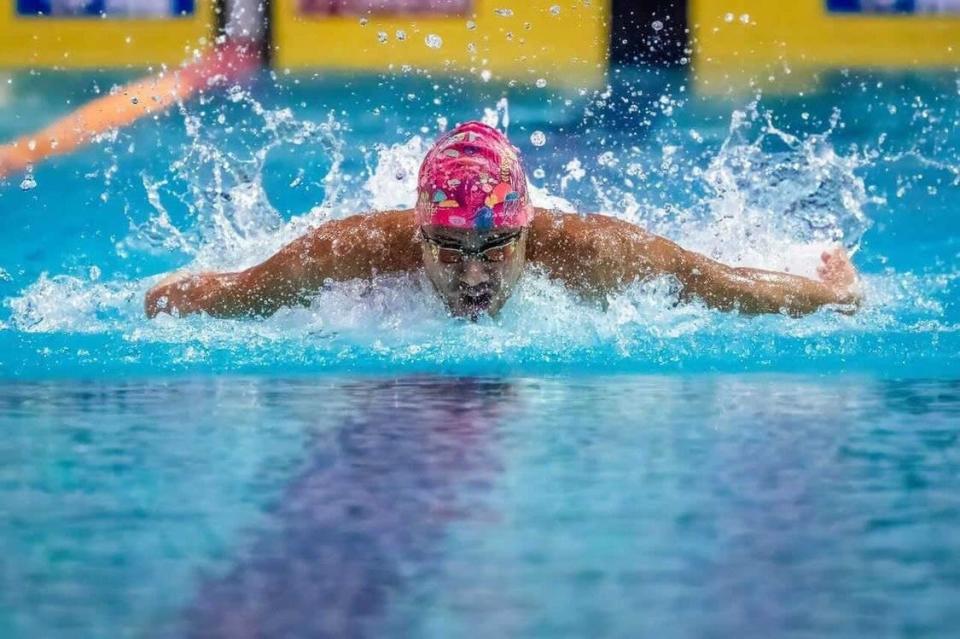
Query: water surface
{"x":455,"y":507}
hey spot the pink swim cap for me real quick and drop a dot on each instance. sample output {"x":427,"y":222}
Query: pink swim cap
{"x":472,"y":178}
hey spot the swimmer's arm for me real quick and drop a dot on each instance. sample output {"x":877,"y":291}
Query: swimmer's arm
{"x":360,"y":246}
{"x":597,"y":255}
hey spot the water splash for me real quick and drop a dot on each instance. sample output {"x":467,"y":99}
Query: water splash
{"x":777,"y":185}
{"x":392,"y":183}
{"x":766,"y":198}
{"x":231,"y":220}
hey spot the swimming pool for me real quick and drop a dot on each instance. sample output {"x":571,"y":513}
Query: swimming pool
{"x":368,"y":466}
{"x":607,"y":506}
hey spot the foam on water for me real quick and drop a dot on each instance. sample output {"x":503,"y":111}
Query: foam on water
{"x":765,"y":198}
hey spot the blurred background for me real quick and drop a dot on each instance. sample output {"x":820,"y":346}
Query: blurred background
{"x":579,"y":38}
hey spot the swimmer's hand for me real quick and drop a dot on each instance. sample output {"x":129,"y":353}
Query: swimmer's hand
{"x":838,"y":274}
{"x":182,"y":294}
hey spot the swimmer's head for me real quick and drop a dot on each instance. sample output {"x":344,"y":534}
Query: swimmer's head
{"x":472,"y":179}
{"x":472,"y":212}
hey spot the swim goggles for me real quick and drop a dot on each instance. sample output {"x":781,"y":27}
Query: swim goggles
{"x":497,"y":252}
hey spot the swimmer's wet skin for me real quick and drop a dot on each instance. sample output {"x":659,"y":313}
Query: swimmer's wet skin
{"x":473,"y":232}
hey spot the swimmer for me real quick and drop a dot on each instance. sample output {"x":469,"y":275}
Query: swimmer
{"x":474,"y":232}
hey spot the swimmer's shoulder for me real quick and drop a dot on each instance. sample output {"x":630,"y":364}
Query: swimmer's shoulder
{"x":558,"y":234}
{"x":398,"y":224}
{"x":400,"y":219}
{"x":383,"y":241}
{"x":392,"y":234}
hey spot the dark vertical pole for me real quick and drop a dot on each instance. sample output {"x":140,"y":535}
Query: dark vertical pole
{"x":224,"y":9}
{"x":220,"y":9}
{"x":266,"y":7}
{"x":649,"y":32}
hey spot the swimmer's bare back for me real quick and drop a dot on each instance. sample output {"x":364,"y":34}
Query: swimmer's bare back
{"x":593,"y":255}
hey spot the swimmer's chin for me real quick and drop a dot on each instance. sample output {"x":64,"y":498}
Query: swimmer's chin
{"x":472,"y":315}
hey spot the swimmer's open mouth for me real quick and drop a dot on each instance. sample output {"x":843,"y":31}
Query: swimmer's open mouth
{"x":476,"y":302}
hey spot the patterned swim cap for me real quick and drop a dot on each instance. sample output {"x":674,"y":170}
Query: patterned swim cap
{"x":472,"y":178}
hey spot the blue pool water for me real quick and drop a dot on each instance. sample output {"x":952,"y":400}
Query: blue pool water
{"x":675,"y":506}
{"x":369,"y":467}
{"x":870,"y":161}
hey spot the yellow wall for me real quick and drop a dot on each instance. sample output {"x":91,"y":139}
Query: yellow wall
{"x":569,"y":48}
{"x":802,"y":36}
{"x":96,"y":42}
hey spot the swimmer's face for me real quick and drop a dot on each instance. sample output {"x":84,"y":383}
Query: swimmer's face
{"x":474,"y":272}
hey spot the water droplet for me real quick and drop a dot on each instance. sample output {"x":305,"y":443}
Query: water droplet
{"x":539,"y":173}
{"x":32,"y":145}
{"x":128,"y":39}
{"x":363,"y":22}
{"x":235,"y":93}
{"x":541,"y":83}
{"x":555,"y":10}
{"x":400,"y":174}
{"x":28,"y":183}
{"x":434,"y":41}
{"x":401,"y":35}
{"x":745,"y":18}
{"x":503,"y":13}
{"x":382,"y":36}
{"x":471,"y":25}
{"x":94,"y":273}
{"x":486,"y":75}
{"x":471,"y":48}
{"x":728,"y":17}
{"x":657,"y":25}
{"x":607,"y":158}
{"x":135,"y":100}
{"x":537,"y":138}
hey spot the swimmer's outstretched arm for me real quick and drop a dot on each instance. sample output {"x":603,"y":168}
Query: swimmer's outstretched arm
{"x":597,"y":254}
{"x":593,"y":255}
{"x":360,"y":246}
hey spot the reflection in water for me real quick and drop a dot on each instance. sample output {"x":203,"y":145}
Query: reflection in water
{"x":365,"y":515}
{"x":620,"y":506}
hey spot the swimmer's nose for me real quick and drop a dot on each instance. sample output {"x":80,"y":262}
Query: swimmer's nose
{"x":473,"y":274}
